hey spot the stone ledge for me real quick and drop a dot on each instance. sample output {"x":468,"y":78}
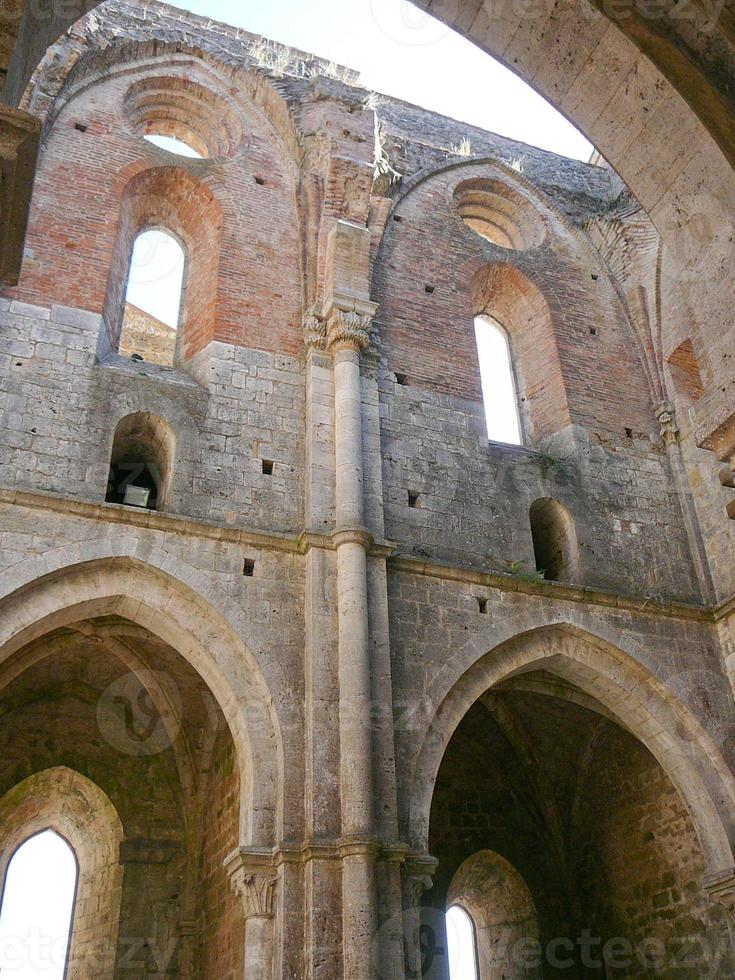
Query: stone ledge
{"x":302,"y":542}
{"x":554,"y":590}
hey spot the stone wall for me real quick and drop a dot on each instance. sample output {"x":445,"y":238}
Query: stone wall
{"x":342,"y":566}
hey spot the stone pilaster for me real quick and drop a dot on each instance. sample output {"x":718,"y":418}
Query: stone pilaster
{"x":417,"y":878}
{"x":721,"y":889}
{"x":254,"y":879}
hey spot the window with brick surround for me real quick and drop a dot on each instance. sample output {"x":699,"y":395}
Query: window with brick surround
{"x":168,"y":218}
{"x":504,"y":295}
{"x":38,"y":899}
{"x":153,"y":298}
{"x":498,"y":381}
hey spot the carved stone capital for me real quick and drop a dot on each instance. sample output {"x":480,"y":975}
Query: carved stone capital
{"x":721,"y":889}
{"x":418,"y":876}
{"x":348,"y":328}
{"x":315,"y":330}
{"x":253,"y":879}
{"x":666,"y":418}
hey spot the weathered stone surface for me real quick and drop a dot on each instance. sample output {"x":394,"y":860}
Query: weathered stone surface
{"x":280,"y":716}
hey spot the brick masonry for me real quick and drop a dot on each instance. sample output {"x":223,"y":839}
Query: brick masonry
{"x":328,"y":528}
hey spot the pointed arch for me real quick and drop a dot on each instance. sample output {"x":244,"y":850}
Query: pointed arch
{"x":70,"y":804}
{"x":177,"y":613}
{"x":640,"y":702}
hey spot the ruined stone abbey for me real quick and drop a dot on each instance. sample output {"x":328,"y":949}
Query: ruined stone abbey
{"x":292,"y":655}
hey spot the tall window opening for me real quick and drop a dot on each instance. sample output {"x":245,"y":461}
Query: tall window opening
{"x":36,"y":909}
{"x":153,"y":298}
{"x":461,"y":946}
{"x":498,"y":382}
{"x":554,"y":540}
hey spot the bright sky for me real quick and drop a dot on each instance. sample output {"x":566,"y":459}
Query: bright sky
{"x":460,"y":945}
{"x":402,"y":51}
{"x":156,"y":275}
{"x":498,"y":389}
{"x":36,"y":909}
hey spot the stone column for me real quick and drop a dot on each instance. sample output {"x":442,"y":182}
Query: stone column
{"x":347,"y":336}
{"x":253,"y":880}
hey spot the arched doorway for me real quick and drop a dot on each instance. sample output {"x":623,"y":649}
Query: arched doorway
{"x":96,"y":688}
{"x":546,"y":768}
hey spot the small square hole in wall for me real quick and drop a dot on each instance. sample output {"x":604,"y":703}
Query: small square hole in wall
{"x":81,"y":127}
{"x":594,"y":276}
{"x":268,"y":467}
{"x":248,"y":567}
{"x":397,"y":217}
{"x":593,"y":331}
{"x":413,"y":498}
{"x":401,"y":379}
{"x":429,"y":289}
{"x":628,"y":432}
{"x":481,"y":605}
{"x":260,"y":181}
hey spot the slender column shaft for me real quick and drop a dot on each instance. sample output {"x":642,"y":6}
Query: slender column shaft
{"x":259,"y":948}
{"x":356,"y":777}
{"x":348,"y":437}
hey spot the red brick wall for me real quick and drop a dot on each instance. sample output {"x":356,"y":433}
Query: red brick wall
{"x":79,"y":218}
{"x":429,"y":336}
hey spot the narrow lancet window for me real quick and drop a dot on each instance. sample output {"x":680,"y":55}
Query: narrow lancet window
{"x":36,"y":910}
{"x":153,"y":299}
{"x":461,"y":946}
{"x":498,"y":382}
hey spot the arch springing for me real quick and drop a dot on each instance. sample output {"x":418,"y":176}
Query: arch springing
{"x":498,"y":382}
{"x":37,"y":905}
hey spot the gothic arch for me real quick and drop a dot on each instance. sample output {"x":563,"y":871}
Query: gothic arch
{"x":179,"y":615}
{"x":640,"y":702}
{"x":69,"y":803}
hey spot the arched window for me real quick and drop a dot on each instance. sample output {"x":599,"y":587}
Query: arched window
{"x":153,"y":298}
{"x":141,"y":462}
{"x":554,"y":540}
{"x":498,"y":382}
{"x":461,"y":945}
{"x":37,"y":906}
{"x":171,"y":144}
